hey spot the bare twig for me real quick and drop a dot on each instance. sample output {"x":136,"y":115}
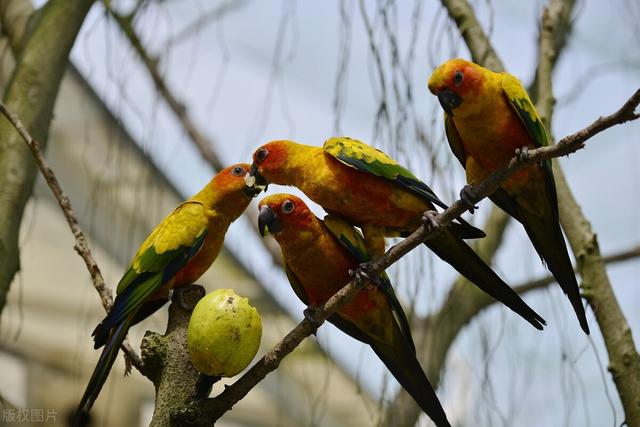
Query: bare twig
{"x":31,"y":91}
{"x":476,"y":39}
{"x":547,"y":280}
{"x":207,"y":411}
{"x":81,"y":246}
{"x":207,"y":18}
{"x":553,"y":32}
{"x":438,"y":330}
{"x":205,"y":146}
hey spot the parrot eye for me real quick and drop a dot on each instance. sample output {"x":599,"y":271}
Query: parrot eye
{"x":457,"y":78}
{"x":287,"y":206}
{"x":261,"y":154}
{"x":238,"y":171}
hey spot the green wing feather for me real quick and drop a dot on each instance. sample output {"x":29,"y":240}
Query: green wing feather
{"x":167,"y":249}
{"x":521,"y":103}
{"x":353,"y":241}
{"x":365,"y":158}
{"x":181,"y":230}
{"x":524,"y":108}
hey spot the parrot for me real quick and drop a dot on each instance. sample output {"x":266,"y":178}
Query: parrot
{"x":368,"y":189}
{"x":489,"y":117}
{"x":319,"y":256}
{"x":176,"y":253}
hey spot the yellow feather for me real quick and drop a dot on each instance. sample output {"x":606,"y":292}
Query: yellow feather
{"x":187,"y":222}
{"x":356,"y":149}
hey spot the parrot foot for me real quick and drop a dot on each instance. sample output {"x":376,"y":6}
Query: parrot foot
{"x":364,"y":276}
{"x":430,"y":221}
{"x":468,"y":196}
{"x":311,"y":314}
{"x":188,"y":296}
{"x":522,"y":154}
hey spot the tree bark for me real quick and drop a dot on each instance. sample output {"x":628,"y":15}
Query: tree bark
{"x":624,"y":361}
{"x":166,"y":358}
{"x":31,"y":94}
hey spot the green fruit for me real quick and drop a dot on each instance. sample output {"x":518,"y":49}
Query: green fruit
{"x":224,"y":333}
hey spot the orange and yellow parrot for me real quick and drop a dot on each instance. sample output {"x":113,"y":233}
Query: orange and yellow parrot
{"x":370,"y":190}
{"x":488,"y":116}
{"x":318,"y":257}
{"x":176,"y":253}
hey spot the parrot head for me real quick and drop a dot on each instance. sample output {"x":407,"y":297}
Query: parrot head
{"x":228,"y":189}
{"x":286,"y":217}
{"x":271,"y":163}
{"x":457,"y":83}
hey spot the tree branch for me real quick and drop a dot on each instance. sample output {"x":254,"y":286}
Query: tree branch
{"x":555,"y":27}
{"x":477,"y":41}
{"x":624,"y":360}
{"x":203,"y":144}
{"x":82,"y":245}
{"x":167,"y":360}
{"x":207,"y":411}
{"x":31,"y":92}
{"x":547,"y":280}
{"x":440,"y":329}
{"x":15,"y":16}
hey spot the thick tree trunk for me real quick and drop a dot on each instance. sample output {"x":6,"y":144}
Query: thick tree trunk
{"x":31,"y":94}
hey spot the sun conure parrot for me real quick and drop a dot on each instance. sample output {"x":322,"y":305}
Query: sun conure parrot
{"x":488,"y":116}
{"x":176,"y":253}
{"x":370,"y":190}
{"x":318,"y":256}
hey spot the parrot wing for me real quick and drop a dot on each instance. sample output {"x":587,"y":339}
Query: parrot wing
{"x":521,"y":103}
{"x":353,"y":241}
{"x":365,"y":158}
{"x":296,"y":284}
{"x":167,"y":249}
{"x":455,"y":140}
{"x":544,"y":231}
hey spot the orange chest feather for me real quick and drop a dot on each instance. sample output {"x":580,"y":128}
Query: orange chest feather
{"x":492,"y":138}
{"x":323,"y":269}
{"x":201,"y":262}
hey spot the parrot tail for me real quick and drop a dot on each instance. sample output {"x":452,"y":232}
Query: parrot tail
{"x":406,"y":369}
{"x":461,"y":257}
{"x":547,"y":238}
{"x":101,"y":371}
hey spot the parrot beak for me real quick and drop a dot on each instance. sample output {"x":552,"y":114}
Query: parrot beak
{"x":255,"y":179}
{"x":449,"y":100}
{"x":251,"y":191}
{"x":268,"y":221}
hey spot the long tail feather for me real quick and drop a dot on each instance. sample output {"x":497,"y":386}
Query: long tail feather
{"x":101,"y":371}
{"x":404,"y":366}
{"x":461,"y":257}
{"x":546,"y":236}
